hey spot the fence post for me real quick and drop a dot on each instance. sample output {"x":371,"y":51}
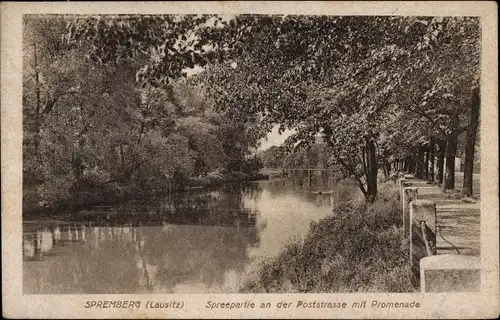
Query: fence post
{"x":403,"y":183}
{"x":422,"y":231}
{"x":409,"y":194}
{"x":400,"y":187}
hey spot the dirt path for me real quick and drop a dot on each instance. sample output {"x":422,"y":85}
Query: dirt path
{"x":458,"y":222}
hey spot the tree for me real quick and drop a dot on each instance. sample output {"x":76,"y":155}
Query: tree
{"x":470,"y":143}
{"x":350,"y":80}
{"x":401,"y":73}
{"x":273,"y":157}
{"x":44,"y":82}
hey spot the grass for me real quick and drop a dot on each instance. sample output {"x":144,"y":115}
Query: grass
{"x":360,"y":248}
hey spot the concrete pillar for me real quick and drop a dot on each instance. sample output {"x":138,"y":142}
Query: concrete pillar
{"x":403,"y":183}
{"x":406,"y":184}
{"x":400,"y":186}
{"x":450,"y":273}
{"x":422,"y":243}
{"x":409,"y":194}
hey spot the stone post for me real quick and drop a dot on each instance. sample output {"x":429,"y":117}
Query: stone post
{"x":400,"y":187}
{"x":422,"y":231}
{"x":409,"y":194}
{"x":450,"y":273}
{"x":403,"y":184}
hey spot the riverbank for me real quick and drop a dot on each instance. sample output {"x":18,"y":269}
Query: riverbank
{"x":211,"y":180}
{"x":272,"y":172}
{"x":359,"y":248}
{"x":109,"y":194}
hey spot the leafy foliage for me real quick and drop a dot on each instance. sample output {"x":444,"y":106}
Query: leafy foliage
{"x":373,"y":88}
{"x":91,"y":125}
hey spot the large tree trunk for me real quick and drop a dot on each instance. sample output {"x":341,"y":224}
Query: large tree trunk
{"x":411,"y":164}
{"x":77,"y":164}
{"x":386,"y":168}
{"x":470,"y":142}
{"x":36,"y":142}
{"x":432,"y":150}
{"x":372,"y":170}
{"x":440,"y":162}
{"x":76,"y":158}
{"x":450,"y":153}
{"x":419,"y":173}
{"x":37,"y":155}
{"x":425,"y":173}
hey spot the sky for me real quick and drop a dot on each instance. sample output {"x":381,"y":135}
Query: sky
{"x":274,"y":138}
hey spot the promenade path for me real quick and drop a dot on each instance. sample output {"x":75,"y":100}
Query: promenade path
{"x":458,"y":222}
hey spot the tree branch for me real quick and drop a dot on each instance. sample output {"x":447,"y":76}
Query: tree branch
{"x":351,"y":169}
{"x":52,"y":101}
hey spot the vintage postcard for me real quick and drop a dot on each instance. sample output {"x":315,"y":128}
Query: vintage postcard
{"x":250,"y":160}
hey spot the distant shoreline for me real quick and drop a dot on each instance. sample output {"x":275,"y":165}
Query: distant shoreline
{"x":96,"y":198}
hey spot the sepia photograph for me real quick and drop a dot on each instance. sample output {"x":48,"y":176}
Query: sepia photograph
{"x":252,"y":154}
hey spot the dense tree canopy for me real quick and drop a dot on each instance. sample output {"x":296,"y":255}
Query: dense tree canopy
{"x":375,"y":89}
{"x":91,"y":125}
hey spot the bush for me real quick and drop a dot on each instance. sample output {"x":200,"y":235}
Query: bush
{"x":252,"y":165}
{"x":55,"y":189}
{"x":359,"y":248}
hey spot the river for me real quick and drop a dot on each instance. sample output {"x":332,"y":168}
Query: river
{"x":199,"y":241}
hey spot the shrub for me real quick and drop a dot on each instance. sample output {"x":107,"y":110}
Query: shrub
{"x":55,"y":189}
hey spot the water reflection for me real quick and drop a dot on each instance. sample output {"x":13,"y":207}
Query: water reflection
{"x":198,"y":241}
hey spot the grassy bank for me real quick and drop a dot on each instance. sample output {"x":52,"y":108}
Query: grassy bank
{"x":63,"y":201}
{"x":359,"y":248}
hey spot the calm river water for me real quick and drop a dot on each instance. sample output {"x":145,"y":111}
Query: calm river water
{"x":195,"y":242}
